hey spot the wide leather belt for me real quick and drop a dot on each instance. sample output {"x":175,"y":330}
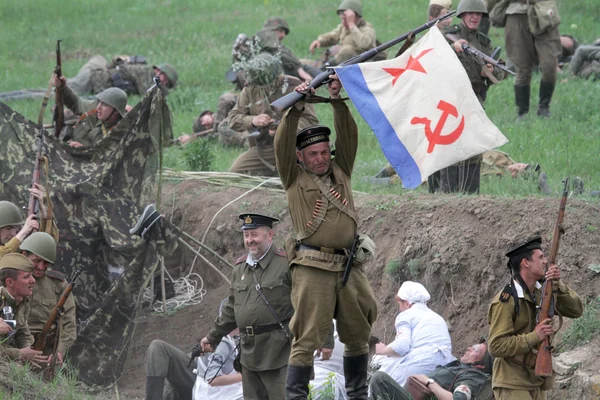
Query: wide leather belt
{"x":257,"y":330}
{"x":321,"y":249}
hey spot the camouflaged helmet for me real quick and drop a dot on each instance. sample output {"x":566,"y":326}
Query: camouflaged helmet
{"x":477,"y":6}
{"x":10,"y":215}
{"x":354,"y":5}
{"x":114,"y":97}
{"x":277,"y":23}
{"x":42,"y":245}
{"x":170,"y":72}
{"x":262,"y":69}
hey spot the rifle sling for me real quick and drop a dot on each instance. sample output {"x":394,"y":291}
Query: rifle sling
{"x":269,"y":306}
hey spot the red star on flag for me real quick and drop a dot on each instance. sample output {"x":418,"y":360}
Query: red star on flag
{"x":413,"y":64}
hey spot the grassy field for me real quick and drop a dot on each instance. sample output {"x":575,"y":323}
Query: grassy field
{"x":196,"y":37}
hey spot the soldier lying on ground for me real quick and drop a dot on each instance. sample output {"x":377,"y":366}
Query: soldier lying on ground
{"x":40,"y":249}
{"x":469,"y":378}
{"x":128,"y":73}
{"x":586,"y":61}
{"x":98,"y":116}
{"x":16,"y":284}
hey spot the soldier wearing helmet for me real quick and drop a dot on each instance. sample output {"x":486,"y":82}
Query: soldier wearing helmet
{"x":253,"y":113}
{"x":270,"y":39}
{"x":354,"y":35}
{"x":40,"y":249}
{"x":465,"y":176}
{"x":98,"y":116}
{"x":167,"y":74}
{"x":14,"y":229}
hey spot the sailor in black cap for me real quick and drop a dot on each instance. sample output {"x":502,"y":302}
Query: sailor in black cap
{"x":515,"y":333}
{"x":260,"y":305}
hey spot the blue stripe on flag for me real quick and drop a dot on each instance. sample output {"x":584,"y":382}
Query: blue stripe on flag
{"x":368,"y":107}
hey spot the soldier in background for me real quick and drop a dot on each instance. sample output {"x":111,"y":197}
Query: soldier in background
{"x":16,"y":285}
{"x":586,"y":61}
{"x":98,"y":116}
{"x":40,"y":249}
{"x":525,"y":49}
{"x":354,"y":35}
{"x":253,"y":113}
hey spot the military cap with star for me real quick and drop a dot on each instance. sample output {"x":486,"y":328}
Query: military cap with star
{"x":534,"y":243}
{"x":312,"y":135}
{"x":16,"y":261}
{"x":253,"y":220}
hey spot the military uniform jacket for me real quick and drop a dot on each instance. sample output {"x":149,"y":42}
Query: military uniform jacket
{"x":361,"y":37}
{"x":89,"y":130}
{"x":471,"y":63}
{"x":22,"y":339}
{"x":255,"y":100}
{"x":463,"y":381}
{"x":513,"y":339}
{"x":270,"y":44}
{"x":46,"y":293}
{"x":265,"y":351}
{"x":337,"y":229}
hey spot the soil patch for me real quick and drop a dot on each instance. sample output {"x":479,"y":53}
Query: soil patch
{"x":453,"y":245}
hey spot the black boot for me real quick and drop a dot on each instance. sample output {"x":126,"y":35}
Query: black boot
{"x":154,"y":387}
{"x":355,"y":371}
{"x":522,"y":100}
{"x":546,"y":90}
{"x":296,"y":382}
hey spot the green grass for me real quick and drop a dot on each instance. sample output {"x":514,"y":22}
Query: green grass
{"x":196,"y":37}
{"x":583,"y":329}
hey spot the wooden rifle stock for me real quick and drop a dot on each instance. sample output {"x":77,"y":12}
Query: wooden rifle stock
{"x":59,"y":108}
{"x":543,"y":362}
{"x":33,"y":206}
{"x":40,"y":343}
{"x":285,"y":102}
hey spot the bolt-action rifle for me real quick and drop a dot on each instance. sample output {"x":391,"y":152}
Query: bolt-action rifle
{"x":543,"y":362}
{"x":59,"y":109}
{"x":33,"y":206}
{"x":481,"y":55}
{"x":285,"y":102}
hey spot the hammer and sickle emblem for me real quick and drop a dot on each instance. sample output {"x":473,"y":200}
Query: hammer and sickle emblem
{"x":435,"y":137}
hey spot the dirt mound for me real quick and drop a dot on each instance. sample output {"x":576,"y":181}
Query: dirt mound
{"x":453,"y":245}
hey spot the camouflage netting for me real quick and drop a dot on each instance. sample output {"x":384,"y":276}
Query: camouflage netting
{"x":98,"y":194}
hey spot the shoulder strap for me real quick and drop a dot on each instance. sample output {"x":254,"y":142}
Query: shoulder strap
{"x":270,"y":307}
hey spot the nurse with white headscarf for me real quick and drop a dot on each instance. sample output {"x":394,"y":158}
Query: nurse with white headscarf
{"x":422,"y":339}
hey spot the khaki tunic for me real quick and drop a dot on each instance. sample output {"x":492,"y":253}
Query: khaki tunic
{"x":266,"y":351}
{"x":89,"y":130}
{"x":12,"y":246}
{"x":255,"y":100}
{"x":352,"y":41}
{"x":22,"y":339}
{"x":512,"y":337}
{"x":46,"y":293}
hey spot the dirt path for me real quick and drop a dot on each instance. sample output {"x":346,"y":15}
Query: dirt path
{"x":453,"y":245}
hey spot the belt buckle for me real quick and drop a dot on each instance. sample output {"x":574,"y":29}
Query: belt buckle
{"x":328,"y":250}
{"x":250,"y":331}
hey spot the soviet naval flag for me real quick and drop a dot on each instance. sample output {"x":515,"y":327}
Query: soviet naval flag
{"x":421,"y":108}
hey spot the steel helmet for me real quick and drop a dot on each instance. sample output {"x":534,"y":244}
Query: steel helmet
{"x":471,"y":6}
{"x":170,"y":72}
{"x":10,"y":215}
{"x":277,"y":23}
{"x":354,"y":5}
{"x":114,"y":97}
{"x":42,"y":245}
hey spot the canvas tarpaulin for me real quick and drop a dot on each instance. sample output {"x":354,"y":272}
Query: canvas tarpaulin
{"x":97,"y":194}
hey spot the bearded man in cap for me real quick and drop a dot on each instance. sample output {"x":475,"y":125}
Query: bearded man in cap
{"x":514,"y":333}
{"x":422,"y":339}
{"x":469,"y":378}
{"x":354,"y":34}
{"x":98,"y":117}
{"x":40,"y":249}
{"x":326,"y":283}
{"x":17,"y":284}
{"x":253,"y":114}
{"x":259,"y":304}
